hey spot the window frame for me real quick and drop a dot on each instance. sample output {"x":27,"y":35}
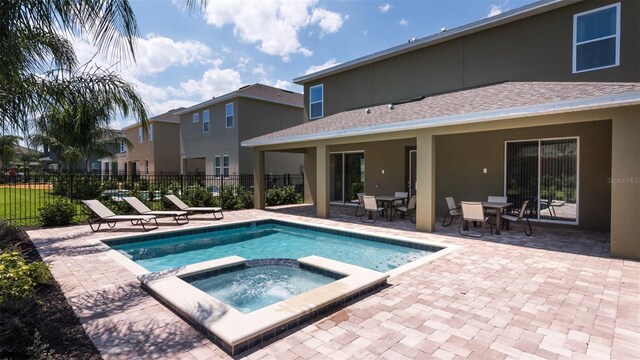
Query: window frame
{"x":195,"y":117}
{"x":140,"y":137}
{"x":123,"y":147}
{"x":225,"y":168}
{"x":150,"y":135}
{"x":217,"y":166}
{"x":227,"y":116}
{"x":316,"y":102}
{"x":576,"y":43}
{"x":206,"y":120}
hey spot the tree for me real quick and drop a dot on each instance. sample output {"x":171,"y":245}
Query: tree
{"x":38,"y":66}
{"x":8,"y":152}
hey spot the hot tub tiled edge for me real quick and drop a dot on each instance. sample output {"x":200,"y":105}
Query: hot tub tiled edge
{"x":236,"y":332}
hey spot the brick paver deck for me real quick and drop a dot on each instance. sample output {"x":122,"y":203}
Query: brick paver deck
{"x":553,"y":295}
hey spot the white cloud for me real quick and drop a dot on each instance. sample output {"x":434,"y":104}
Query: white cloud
{"x":259,"y":70}
{"x":495,"y":10}
{"x":384,"y":8}
{"x":404,"y":22}
{"x":214,"y":82}
{"x":273,"y":25}
{"x":329,"y":22}
{"x":315,"y":68}
{"x":282,"y":84}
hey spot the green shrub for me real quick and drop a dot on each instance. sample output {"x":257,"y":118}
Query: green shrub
{"x":235,"y":198}
{"x":18,"y":279}
{"x":197,"y":196}
{"x":282,"y":196}
{"x":9,"y":235}
{"x":59,"y":212}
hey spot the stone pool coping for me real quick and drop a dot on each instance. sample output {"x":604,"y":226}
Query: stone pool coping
{"x":235,"y":331}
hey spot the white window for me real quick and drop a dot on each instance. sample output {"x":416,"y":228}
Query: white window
{"x":216,"y":165}
{"x":228,"y":109}
{"x":196,"y":117}
{"x":316,"y":102}
{"x":596,"y":39}
{"x":205,"y":121}
{"x":225,"y":165}
{"x":146,"y":167}
{"x":140,"y":134}
{"x":151,"y":133}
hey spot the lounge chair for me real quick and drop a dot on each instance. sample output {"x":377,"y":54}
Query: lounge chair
{"x":473,"y":211}
{"x":411,"y":207}
{"x":453,"y":211}
{"x":184,"y":207}
{"x":106,"y":216}
{"x":371,"y":208}
{"x":522,"y":217}
{"x":143,"y":209}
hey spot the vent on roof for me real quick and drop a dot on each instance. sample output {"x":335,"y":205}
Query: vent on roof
{"x":367,"y":111}
{"x":244,"y":87}
{"x":287,"y":91}
{"x":391,"y":107}
{"x":404,"y":101}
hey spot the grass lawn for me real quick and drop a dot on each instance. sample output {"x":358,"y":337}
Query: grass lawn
{"x":20,"y":205}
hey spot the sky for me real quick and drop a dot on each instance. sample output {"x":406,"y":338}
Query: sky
{"x":184,"y":58}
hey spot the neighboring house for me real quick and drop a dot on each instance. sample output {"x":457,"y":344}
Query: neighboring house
{"x":211,"y":132}
{"x":156,"y":151}
{"x":51,"y":162}
{"x":541,"y":103}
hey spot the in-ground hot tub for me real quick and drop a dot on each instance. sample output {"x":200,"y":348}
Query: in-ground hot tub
{"x":210,"y":295}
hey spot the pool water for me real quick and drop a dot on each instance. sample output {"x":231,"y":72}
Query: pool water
{"x":253,"y":288}
{"x":268,"y":240}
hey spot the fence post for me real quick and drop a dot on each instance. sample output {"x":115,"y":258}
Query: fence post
{"x":181,"y":184}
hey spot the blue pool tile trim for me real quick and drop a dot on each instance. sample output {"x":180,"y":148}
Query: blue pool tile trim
{"x":209,"y":229}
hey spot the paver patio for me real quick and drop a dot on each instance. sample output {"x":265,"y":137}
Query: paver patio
{"x":554,"y":295}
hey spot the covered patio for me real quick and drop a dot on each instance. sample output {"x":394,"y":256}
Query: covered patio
{"x":465,"y":144}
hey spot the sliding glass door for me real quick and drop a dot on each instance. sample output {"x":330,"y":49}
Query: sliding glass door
{"x":545,"y":172}
{"x":346,"y":176}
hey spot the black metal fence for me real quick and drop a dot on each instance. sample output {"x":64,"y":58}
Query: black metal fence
{"x":23,"y":194}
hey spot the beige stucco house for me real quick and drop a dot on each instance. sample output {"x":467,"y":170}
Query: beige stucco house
{"x":541,"y":103}
{"x":155,"y":151}
{"x":211,"y":132}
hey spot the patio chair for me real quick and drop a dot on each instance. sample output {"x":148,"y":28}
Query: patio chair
{"x":371,"y":209}
{"x":106,"y":216}
{"x":522,"y":217}
{"x":184,"y":207}
{"x":411,"y":207}
{"x":453,"y":211}
{"x":496,"y":199}
{"x":360,"y":205}
{"x":473,"y":211}
{"x":404,"y":195}
{"x":143,"y":209}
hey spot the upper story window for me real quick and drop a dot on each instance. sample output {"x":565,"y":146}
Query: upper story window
{"x":596,"y":39}
{"x":316,"y":101}
{"x":140,"y":134}
{"x":228,"y":109}
{"x":195,"y":117}
{"x":205,"y":121}
{"x":151,"y":133}
{"x":123,"y":147}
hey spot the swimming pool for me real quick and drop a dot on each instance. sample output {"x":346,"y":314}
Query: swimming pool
{"x":268,"y":239}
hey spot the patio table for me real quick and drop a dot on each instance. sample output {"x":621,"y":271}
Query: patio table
{"x":388,"y":201}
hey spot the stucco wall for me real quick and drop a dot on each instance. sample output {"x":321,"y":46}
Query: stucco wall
{"x":538,"y":48}
{"x":460,"y":160}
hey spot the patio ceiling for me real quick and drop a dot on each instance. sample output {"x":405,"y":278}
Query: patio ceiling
{"x":507,"y":100}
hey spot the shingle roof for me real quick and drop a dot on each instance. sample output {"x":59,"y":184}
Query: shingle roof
{"x":255,"y":91}
{"x":491,"y":102}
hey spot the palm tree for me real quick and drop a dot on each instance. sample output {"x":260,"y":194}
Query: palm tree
{"x":38,"y":66}
{"x":8,"y":152}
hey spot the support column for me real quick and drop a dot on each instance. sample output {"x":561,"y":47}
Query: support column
{"x":322,"y":176}
{"x":310,"y":176}
{"x":625,"y":185}
{"x":425,"y":183}
{"x":258,"y":179}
